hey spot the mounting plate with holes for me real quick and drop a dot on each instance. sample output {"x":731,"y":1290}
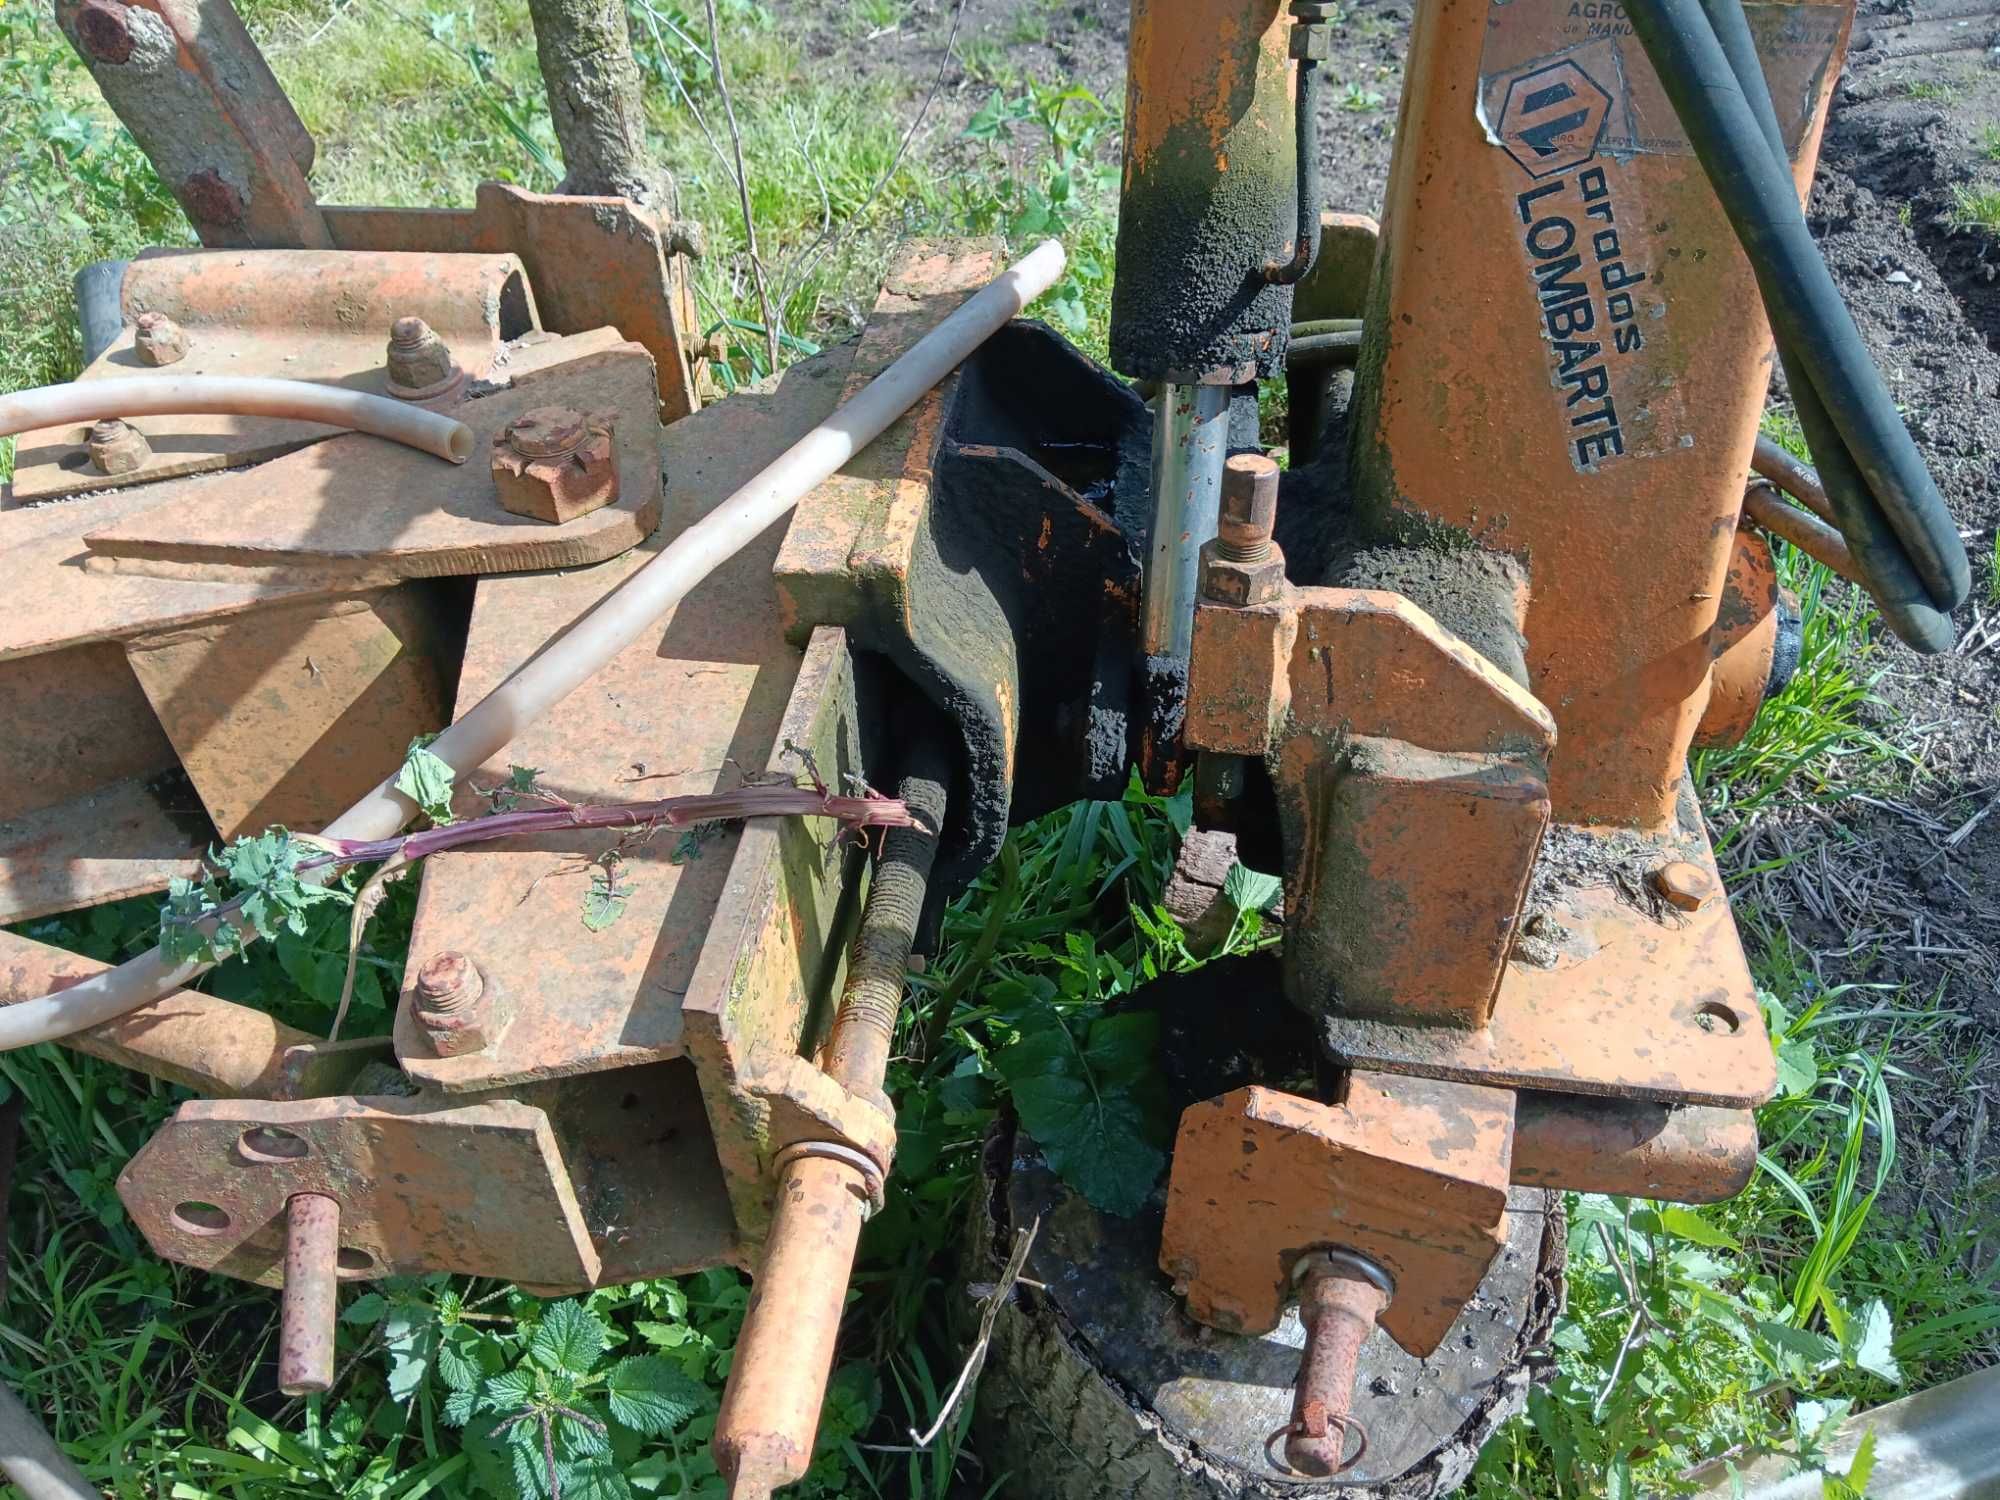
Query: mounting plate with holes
{"x":1615,"y":991}
{"x":474,"y":1188}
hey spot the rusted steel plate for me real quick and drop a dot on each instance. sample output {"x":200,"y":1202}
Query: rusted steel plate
{"x":212,"y":1046}
{"x":689,"y":708}
{"x":643,"y":1163}
{"x":1689,"y":1153}
{"x":474,"y":1189}
{"x":77,"y":603}
{"x":319,"y":315}
{"x":1411,"y":1173}
{"x":863,"y":521}
{"x":71,"y":722}
{"x":1408,"y":869}
{"x":80,"y":599}
{"x":291,"y":716}
{"x":122,"y":838}
{"x":359,"y":512}
{"x":1609,"y":990}
{"x":594,"y":263}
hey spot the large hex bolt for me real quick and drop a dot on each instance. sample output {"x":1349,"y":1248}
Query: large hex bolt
{"x":1243,"y":566}
{"x":159,"y":340}
{"x":453,"y":1007}
{"x":117,"y":447}
{"x":1340,"y":1296}
{"x":420,"y":367}
{"x":555,"y":463}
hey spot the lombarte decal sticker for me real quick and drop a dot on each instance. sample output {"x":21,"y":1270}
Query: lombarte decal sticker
{"x":1568,"y":98}
{"x":1550,"y":116}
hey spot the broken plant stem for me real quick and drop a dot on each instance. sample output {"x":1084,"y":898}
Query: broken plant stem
{"x":751,"y":801}
{"x":673,"y":812}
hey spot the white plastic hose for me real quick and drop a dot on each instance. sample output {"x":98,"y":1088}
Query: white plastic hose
{"x":618,"y":620}
{"x":236,"y":396}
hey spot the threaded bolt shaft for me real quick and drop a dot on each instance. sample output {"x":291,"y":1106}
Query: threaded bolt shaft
{"x":1249,"y":508}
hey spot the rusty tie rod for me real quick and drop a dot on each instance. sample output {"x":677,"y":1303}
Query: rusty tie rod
{"x":784,"y":1355}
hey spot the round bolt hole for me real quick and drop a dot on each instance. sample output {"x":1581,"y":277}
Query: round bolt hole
{"x":1714,"y":1016}
{"x":197,"y":1217}
{"x":272,"y":1143}
{"x":353,"y":1258}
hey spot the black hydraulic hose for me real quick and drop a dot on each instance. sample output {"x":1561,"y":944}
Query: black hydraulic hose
{"x":1305,"y":132}
{"x":1888,"y":507}
{"x":1873,"y":549}
{"x":1340,"y":348}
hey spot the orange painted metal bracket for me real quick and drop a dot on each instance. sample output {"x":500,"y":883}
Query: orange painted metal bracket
{"x":1610,"y":989}
{"x":1410,"y":1173}
{"x":479,"y":1189}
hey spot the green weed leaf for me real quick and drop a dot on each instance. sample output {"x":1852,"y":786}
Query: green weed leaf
{"x":1869,"y":1341}
{"x":567,"y":1338}
{"x":649,"y":1395}
{"x":426,"y":780}
{"x":1251,"y":890}
{"x":604,"y":902}
{"x":1091,"y":1097}
{"x":1690,"y":1225}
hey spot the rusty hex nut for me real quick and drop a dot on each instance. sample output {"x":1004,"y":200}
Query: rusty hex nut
{"x":554,"y":464}
{"x":418,"y":363}
{"x":117,"y":447}
{"x":452,"y":1005}
{"x":159,"y":340}
{"x":1684,"y":885}
{"x":1311,"y":42}
{"x":1239,"y":584}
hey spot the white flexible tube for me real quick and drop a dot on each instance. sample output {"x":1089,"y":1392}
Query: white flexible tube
{"x":618,"y":620}
{"x":238,"y":396}
{"x":30,"y":1458}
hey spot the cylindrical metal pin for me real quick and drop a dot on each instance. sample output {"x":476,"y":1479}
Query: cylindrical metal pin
{"x":305,"y":1335}
{"x":1340,"y":1297}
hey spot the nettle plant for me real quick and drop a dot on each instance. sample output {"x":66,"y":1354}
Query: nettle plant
{"x":565,"y":1418}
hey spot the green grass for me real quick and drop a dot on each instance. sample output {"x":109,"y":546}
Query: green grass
{"x":1760,"y":1317}
{"x":1933,"y":90}
{"x":1989,"y":142}
{"x":1975,"y":208}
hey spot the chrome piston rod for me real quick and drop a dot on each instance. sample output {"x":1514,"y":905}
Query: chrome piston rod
{"x":1190,"y":441}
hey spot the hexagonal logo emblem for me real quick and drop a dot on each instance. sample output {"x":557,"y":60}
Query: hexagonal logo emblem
{"x":1553,"y":118}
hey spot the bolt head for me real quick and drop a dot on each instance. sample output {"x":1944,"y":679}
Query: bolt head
{"x":452,"y":1005}
{"x":1249,"y":508}
{"x":419,"y":364}
{"x":1241,"y":584}
{"x":1686,"y":886}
